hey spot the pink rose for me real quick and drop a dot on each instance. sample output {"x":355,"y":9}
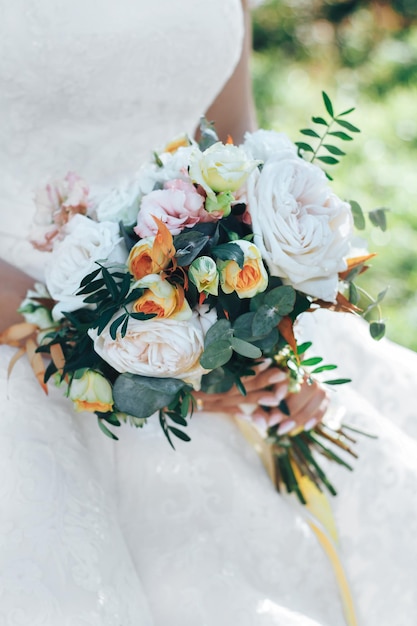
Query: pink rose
{"x":178,"y":205}
{"x":56,"y":204}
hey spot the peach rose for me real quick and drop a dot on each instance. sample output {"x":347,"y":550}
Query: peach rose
{"x":142,"y":260}
{"x":162,"y":299}
{"x":248,"y":280}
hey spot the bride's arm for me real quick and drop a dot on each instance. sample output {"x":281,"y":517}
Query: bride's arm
{"x":13,"y":287}
{"x":233,"y":111}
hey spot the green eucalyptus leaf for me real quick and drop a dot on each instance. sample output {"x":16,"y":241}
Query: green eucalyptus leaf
{"x":281,"y":298}
{"x":245,"y":348}
{"x":216,"y":354}
{"x":142,"y":396}
{"x":378,"y":218}
{"x":266,"y":318}
{"x":218,"y":380}
{"x":221,"y":330}
{"x":358,"y":216}
{"x":242,"y":326}
{"x":377,"y":330}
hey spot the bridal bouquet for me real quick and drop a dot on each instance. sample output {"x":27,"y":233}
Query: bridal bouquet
{"x":192,"y":273}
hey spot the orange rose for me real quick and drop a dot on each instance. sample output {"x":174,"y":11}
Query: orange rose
{"x":248,"y":280}
{"x":162,"y":299}
{"x":142,"y":260}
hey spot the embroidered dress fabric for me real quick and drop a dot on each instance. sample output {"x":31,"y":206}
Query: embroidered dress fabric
{"x":131,"y":533}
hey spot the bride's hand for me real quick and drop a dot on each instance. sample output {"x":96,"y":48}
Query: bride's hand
{"x":13,"y":287}
{"x":265,"y":391}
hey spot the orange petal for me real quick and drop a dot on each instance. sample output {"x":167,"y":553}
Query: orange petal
{"x":17,"y":332}
{"x":57,"y":357}
{"x":163,"y":245}
{"x":229,"y":140}
{"x":36,"y":363}
{"x":355,"y":262}
{"x":286,"y":328}
{"x":14,"y":360}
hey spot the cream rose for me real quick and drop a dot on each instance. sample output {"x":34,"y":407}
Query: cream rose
{"x":220,"y":168}
{"x":301,"y":227}
{"x":161,"y":348}
{"x":73,"y":258}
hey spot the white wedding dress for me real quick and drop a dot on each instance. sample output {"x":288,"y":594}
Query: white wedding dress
{"x":131,"y":533}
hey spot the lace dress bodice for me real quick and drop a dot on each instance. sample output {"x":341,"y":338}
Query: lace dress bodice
{"x":93,"y":86}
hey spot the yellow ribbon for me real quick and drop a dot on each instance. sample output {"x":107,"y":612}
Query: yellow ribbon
{"x":318,"y":513}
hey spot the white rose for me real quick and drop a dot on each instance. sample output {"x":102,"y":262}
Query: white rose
{"x":301,"y":227}
{"x":220,"y":168}
{"x":267,"y":144}
{"x":122,"y":203}
{"x":73,"y":258}
{"x":161,"y":348}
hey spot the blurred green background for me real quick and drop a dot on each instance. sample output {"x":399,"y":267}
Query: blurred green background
{"x":364,"y":55}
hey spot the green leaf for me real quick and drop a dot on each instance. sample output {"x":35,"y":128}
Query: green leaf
{"x":377,"y":330}
{"x":142,"y":316}
{"x":346,"y":112}
{"x":319,"y":120}
{"x":245,"y":348}
{"x":309,"y":132}
{"x":338,"y":381}
{"x":347,"y":125}
{"x":340,"y":135}
{"x":179,"y":433}
{"x":110,"y":284}
{"x":312,"y":361}
{"x":242,"y":326}
{"x":304,"y":146}
{"x":328,"y":160}
{"x":353,"y":294}
{"x":327,"y":104}
{"x":323,"y":368}
{"x":378,"y":218}
{"x":266,"y":319}
{"x":281,"y":298}
{"x":334,"y":149}
{"x":142,"y":396}
{"x":188,"y":245}
{"x":216,"y":354}
{"x":358,"y":216}
{"x":303,"y":347}
{"x":105,"y":430}
{"x":104,"y":319}
{"x":87,"y":279}
{"x":123,"y":329}
{"x":97,"y":296}
{"x":221,"y":330}
{"x":115,"y":325}
{"x":91,"y":287}
{"x":230,"y":252}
